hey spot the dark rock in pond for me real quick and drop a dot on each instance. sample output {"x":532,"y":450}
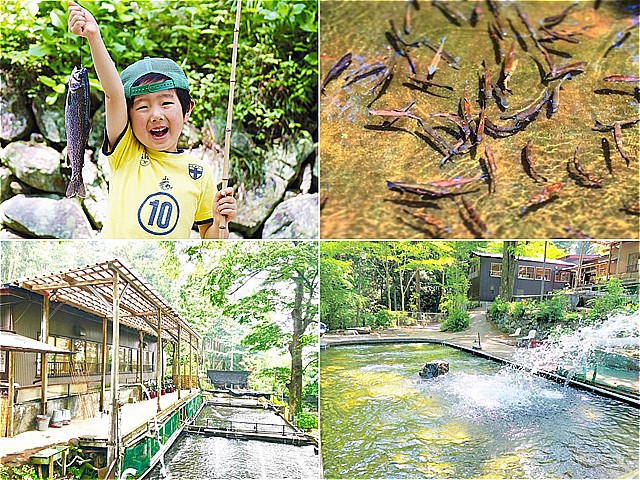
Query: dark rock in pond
{"x":16,"y":120}
{"x":47,"y":216}
{"x":434,"y":369}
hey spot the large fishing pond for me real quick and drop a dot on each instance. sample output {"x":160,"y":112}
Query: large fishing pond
{"x":379,"y":419}
{"x":360,"y":151}
{"x":195,"y":457}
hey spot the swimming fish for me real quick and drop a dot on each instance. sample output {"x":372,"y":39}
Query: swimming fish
{"x":335,"y":71}
{"x":474,"y":216}
{"x":591,"y":179}
{"x":77,"y":126}
{"x":548,"y":192}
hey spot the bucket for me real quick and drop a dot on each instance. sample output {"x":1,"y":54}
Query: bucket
{"x":56,"y":419}
{"x":66,"y":417}
{"x":43,"y":422}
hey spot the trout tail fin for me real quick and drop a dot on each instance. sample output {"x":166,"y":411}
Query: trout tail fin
{"x":76,"y":188}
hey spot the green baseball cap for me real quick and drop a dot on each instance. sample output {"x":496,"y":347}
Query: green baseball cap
{"x":164,"y":66}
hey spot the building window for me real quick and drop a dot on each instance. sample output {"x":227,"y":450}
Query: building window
{"x":632,"y":263}
{"x":92,"y":356}
{"x":496,"y":269}
{"x":474,"y":269}
{"x":526,"y":272}
{"x":547,"y":273}
{"x":562,"y":276}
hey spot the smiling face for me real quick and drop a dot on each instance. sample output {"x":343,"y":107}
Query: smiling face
{"x":157,"y":119}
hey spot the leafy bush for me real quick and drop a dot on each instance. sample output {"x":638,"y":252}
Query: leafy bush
{"x":498,"y":309}
{"x":386,"y":318}
{"x":276,"y":79}
{"x":551,"y":310}
{"x":24,"y":472}
{"x":456,"y":322}
{"x":306,"y":420}
{"x":517,"y":310}
{"x":612,"y":300}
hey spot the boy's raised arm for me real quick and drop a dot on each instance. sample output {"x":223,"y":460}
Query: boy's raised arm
{"x":82,"y":23}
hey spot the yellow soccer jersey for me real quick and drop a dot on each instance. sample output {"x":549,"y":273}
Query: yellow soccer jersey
{"x":155,"y":194}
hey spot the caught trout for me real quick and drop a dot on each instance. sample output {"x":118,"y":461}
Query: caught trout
{"x":77,"y":125}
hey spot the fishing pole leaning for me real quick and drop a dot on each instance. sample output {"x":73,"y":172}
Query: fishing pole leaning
{"x":224,"y":231}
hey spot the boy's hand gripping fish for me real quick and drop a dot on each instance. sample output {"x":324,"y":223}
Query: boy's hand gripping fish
{"x":77,"y":125}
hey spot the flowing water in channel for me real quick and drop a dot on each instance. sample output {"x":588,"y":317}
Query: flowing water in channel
{"x":195,"y":457}
{"x":379,"y":419}
{"x":357,"y":157}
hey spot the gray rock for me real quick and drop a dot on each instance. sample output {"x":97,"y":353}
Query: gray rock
{"x":45,"y":216}
{"x":50,"y":118}
{"x":282,"y":164}
{"x":96,"y":135}
{"x":36,"y":165}
{"x":5,"y":183}
{"x":15,"y":119}
{"x":95,"y":203}
{"x":294,"y":218}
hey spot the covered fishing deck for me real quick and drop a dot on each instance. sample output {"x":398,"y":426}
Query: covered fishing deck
{"x":94,"y":431}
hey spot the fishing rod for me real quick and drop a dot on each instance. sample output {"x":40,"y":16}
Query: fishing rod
{"x":224,"y":230}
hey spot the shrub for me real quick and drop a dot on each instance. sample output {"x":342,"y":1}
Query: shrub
{"x":306,"y":420}
{"x":456,"y":322}
{"x":386,"y":318}
{"x":498,"y":309}
{"x":612,"y":300}
{"x":517,"y":310}
{"x":552,"y":310}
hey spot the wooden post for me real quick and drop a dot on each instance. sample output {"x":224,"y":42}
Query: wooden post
{"x":114,"y":434}
{"x":11,"y":369}
{"x":190,"y":362}
{"x":159,"y":360}
{"x":179,"y":383}
{"x":103,"y":364}
{"x":44,"y":357}
{"x":140,"y":352}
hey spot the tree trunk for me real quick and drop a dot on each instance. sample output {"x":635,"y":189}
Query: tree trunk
{"x":295,"y":382}
{"x":508,"y":276}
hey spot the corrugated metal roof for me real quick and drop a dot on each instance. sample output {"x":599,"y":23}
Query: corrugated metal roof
{"x":91,"y":288}
{"x":13,"y":341}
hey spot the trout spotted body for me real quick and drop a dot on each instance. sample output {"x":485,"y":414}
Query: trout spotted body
{"x":78,"y":126}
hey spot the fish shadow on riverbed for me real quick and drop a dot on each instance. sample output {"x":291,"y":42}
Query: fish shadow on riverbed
{"x":580,"y":181}
{"x":538,"y":206}
{"x":426,"y":90}
{"x":432,"y":232}
{"x":387,"y":128}
{"x":527,"y":168}
{"x":406,"y":202}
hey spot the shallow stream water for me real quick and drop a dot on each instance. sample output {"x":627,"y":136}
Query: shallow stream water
{"x":379,"y":419}
{"x":357,"y":157}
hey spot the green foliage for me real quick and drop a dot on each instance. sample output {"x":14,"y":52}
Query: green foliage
{"x":613,"y":299}
{"x":517,"y":310}
{"x":276,"y":79}
{"x":23,"y":472}
{"x":454,"y":297}
{"x":386,"y":318}
{"x":264,"y":336}
{"x":456,"y":321}
{"x":337,"y":301}
{"x":498,"y":309}
{"x":552,"y":309}
{"x":306,"y":420}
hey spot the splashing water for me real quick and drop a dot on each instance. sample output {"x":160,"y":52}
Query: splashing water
{"x":578,"y":349}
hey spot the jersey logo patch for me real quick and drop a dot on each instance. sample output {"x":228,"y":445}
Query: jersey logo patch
{"x":158,"y":214}
{"x":195,"y":171}
{"x":165,"y":185}
{"x":144,"y":159}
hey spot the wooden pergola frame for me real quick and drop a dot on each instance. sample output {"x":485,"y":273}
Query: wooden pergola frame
{"x":113,"y":291}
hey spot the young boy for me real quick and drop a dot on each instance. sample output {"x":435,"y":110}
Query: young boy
{"x":156,"y":190}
